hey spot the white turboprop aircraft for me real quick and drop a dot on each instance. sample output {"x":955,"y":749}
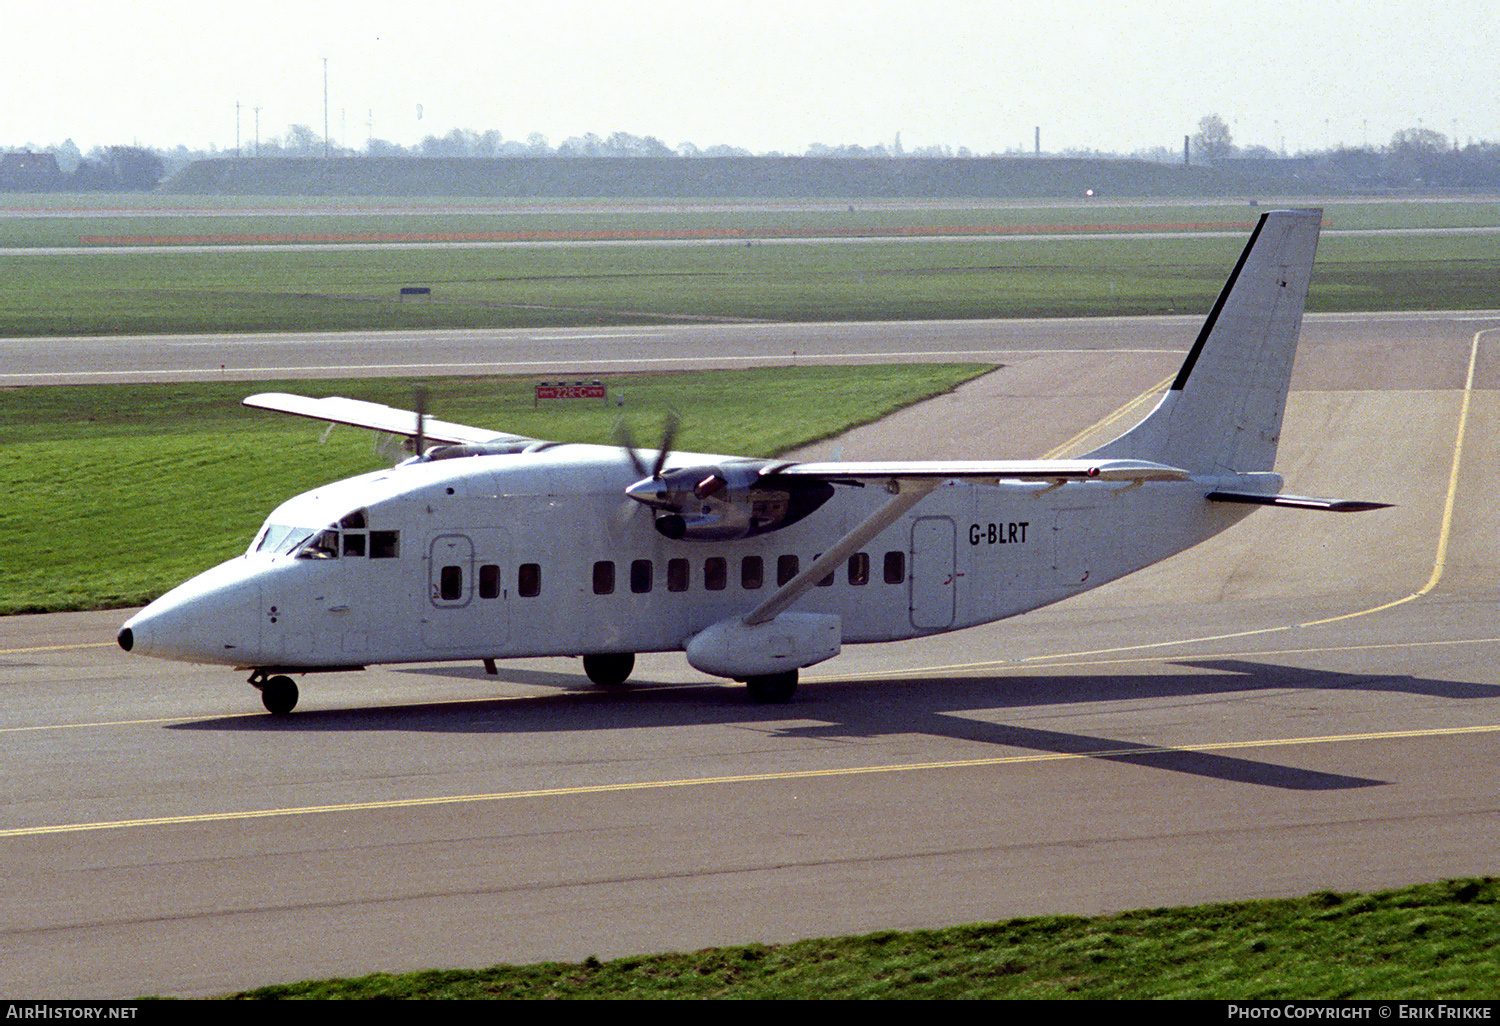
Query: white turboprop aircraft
{"x":486,"y":546}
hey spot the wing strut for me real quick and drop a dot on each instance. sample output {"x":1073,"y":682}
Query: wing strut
{"x":909,"y":492}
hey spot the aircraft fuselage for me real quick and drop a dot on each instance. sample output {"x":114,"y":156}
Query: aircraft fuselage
{"x":536,"y":554}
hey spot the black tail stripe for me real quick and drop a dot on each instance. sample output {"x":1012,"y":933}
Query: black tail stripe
{"x":1213,"y":315}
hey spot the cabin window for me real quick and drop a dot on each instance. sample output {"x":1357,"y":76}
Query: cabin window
{"x":859,"y":568}
{"x":752,"y":573}
{"x":354,"y":543}
{"x":677,"y":575}
{"x":385,"y":544}
{"x":715,"y":573}
{"x":529,"y":580}
{"x":451,"y":583}
{"x":489,"y":581}
{"x":895,"y":568}
{"x":640,"y":576}
{"x":604,"y":577}
{"x":786,"y":568}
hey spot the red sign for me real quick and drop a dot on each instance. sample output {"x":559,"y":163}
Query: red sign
{"x":571,"y":390}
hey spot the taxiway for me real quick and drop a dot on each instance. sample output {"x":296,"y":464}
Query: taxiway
{"x":1307,"y":701}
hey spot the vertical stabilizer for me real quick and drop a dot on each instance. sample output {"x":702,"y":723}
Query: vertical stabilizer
{"x":1222,"y":414}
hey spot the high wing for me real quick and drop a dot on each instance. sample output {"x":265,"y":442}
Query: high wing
{"x":1008,"y":470}
{"x":375,"y":417}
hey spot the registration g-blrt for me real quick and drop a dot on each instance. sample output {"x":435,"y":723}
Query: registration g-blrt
{"x":487,"y":546}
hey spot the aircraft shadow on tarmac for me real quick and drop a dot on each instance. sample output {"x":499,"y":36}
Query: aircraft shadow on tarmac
{"x":936,"y":705}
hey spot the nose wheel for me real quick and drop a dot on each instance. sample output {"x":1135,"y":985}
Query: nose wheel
{"x":278,"y":694}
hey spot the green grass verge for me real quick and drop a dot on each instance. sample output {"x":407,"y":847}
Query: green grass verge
{"x":914,"y":280}
{"x":116,"y":493}
{"x":112,"y":292}
{"x":1429,"y":942}
{"x":71,"y":220}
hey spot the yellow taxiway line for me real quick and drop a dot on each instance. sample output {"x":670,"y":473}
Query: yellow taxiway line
{"x":748,"y":778}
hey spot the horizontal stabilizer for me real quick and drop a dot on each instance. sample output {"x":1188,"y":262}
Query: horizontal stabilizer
{"x":1298,"y":502}
{"x":375,"y":417}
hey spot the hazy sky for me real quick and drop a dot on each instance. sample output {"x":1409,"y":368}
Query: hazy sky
{"x":761,"y":74}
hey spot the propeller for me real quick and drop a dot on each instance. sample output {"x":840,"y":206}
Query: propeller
{"x":713,"y":503}
{"x":419,"y":395}
{"x":650,"y":489}
{"x":398,"y":448}
{"x":626,"y":442}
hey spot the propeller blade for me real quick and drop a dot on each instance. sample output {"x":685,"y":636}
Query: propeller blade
{"x":624,"y":440}
{"x":420,"y":396}
{"x":669,"y":435}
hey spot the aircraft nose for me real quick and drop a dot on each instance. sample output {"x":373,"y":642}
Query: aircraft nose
{"x":211,"y":619}
{"x":163,"y":629}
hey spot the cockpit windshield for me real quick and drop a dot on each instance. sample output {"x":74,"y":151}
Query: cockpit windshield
{"x":347,"y":537}
{"x":281,"y":539}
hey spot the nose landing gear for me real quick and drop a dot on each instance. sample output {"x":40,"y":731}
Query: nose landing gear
{"x":278,"y":694}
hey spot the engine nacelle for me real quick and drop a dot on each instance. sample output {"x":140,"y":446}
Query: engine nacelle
{"x":727,"y":502}
{"x":731,"y":648}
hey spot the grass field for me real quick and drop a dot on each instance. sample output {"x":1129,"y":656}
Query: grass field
{"x":1419,"y":943}
{"x":62,"y":220}
{"x":351,"y":289}
{"x":988,"y":274}
{"x":116,"y":493}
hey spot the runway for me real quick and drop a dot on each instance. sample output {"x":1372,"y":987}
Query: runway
{"x":1308,"y":701}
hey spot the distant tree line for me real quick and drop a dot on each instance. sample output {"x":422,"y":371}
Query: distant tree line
{"x":64,"y":169}
{"x":1415,"y":158}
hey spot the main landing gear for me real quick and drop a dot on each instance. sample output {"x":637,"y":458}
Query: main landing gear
{"x":774,"y":687}
{"x":278,"y":694}
{"x":609,"y":669}
{"x":612,"y":670}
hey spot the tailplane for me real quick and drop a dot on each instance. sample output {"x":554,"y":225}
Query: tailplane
{"x":1223,"y":413}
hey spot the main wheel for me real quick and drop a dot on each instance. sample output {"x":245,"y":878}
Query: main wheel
{"x":279,"y":695}
{"x":774,"y":687}
{"x":609,"y":669}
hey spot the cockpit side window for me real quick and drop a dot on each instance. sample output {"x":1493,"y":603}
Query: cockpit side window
{"x":352,"y":529}
{"x":349,"y":538}
{"x":323,"y":545}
